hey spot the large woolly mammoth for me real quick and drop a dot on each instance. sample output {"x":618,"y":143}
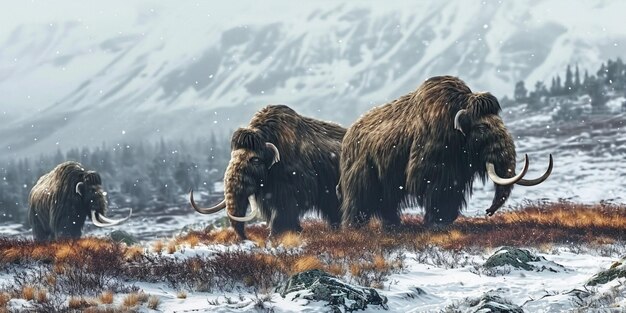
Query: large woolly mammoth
{"x":62,"y":199}
{"x":282,"y":165}
{"x":427,"y":147}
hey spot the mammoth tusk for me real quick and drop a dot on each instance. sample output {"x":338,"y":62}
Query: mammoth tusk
{"x":537,"y":181}
{"x":112,"y":221}
{"x":457,"y":126}
{"x":276,"y":153}
{"x":254,"y":211}
{"x":95,"y":221}
{"x":491,"y":171}
{"x":78,"y":188}
{"x":220,"y":206}
{"x":102,"y":221}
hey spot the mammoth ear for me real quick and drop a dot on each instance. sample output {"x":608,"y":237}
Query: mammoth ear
{"x":272,"y":147}
{"x":78,"y":188}
{"x":460,"y":120}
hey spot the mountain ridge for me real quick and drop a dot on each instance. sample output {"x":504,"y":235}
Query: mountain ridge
{"x":145,"y":71}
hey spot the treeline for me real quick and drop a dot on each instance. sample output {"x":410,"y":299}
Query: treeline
{"x":155,"y":175}
{"x":609,"y":81}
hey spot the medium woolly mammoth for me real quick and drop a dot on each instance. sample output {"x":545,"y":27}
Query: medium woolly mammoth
{"x":282,"y":165}
{"x":62,"y":199}
{"x":427,"y":147}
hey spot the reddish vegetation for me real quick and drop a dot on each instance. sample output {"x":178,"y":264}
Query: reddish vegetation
{"x":366,"y":255}
{"x":533,"y":225}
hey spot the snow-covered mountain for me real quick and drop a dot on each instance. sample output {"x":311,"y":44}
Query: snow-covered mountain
{"x":82,"y":73}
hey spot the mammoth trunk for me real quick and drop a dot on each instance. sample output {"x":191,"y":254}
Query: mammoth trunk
{"x":502,"y":192}
{"x":236,"y":206}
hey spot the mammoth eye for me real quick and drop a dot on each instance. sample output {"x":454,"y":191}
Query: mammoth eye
{"x":255,"y":160}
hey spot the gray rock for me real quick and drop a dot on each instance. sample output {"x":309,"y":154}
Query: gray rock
{"x":617,"y":270}
{"x":492,"y":303}
{"x":122,"y":236}
{"x":316,"y":285}
{"x":520,"y":259}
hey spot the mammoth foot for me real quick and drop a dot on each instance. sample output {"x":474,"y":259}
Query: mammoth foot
{"x":437,"y":223}
{"x":276,"y":233}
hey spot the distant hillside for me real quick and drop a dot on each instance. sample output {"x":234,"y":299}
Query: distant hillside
{"x":74,"y":74}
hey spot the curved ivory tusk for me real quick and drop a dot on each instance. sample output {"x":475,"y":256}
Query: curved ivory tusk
{"x":456,"y":121}
{"x":220,"y":206}
{"x":96,"y":219}
{"x":96,"y":222}
{"x":537,"y":181}
{"x":254,"y":211}
{"x":491,"y":171}
{"x":78,"y":188}
{"x":276,"y":153}
{"x":112,"y":221}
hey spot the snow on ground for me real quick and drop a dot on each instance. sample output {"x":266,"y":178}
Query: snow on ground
{"x":420,"y":287}
{"x":442,"y":287}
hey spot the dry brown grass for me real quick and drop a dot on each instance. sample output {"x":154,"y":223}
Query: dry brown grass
{"x":131,"y":300}
{"x":367,"y":255}
{"x":181,"y":294}
{"x":28,"y":292}
{"x":158,"y":246}
{"x":106,"y":297}
{"x":79,"y":303}
{"x":154,"y":302}
{"x":290,"y":240}
{"x":42,"y":296}
{"x":4,"y":299}
{"x":256,"y":233}
{"x":192,"y":239}
{"x":306,"y":263}
{"x":18,"y":250}
{"x":133,"y":253}
{"x":365,"y":252}
{"x":172,"y":247}
{"x":96,"y":309}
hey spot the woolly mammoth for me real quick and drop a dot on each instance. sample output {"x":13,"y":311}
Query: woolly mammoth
{"x":427,"y":147}
{"x":62,"y":199}
{"x":282,"y":165}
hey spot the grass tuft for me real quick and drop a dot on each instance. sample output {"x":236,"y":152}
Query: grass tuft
{"x":106,"y":297}
{"x":154,"y":303}
{"x":306,"y":263}
{"x":28,"y":292}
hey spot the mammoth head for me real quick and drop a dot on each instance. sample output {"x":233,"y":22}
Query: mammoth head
{"x":491,"y":148}
{"x":251,"y":160}
{"x":93,"y":197}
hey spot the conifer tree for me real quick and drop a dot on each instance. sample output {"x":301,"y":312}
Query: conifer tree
{"x":568,"y":87}
{"x":577,"y":79}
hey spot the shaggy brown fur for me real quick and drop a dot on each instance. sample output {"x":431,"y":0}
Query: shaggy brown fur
{"x":56,"y":210}
{"x":408,"y":151}
{"x":304,"y":179}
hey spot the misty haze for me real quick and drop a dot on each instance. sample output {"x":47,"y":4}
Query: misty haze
{"x":148,"y":94}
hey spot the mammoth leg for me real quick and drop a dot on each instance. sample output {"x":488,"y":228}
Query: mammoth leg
{"x":361,"y":195}
{"x":39,"y":230}
{"x":389,"y":213}
{"x":239,"y":228}
{"x":285,"y":220}
{"x":442,"y":208}
{"x":333,"y":216}
{"x":329,"y":208}
{"x":69,"y":226}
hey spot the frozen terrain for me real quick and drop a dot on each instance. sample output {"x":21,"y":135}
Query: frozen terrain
{"x":422,"y":286}
{"x":75,"y":74}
